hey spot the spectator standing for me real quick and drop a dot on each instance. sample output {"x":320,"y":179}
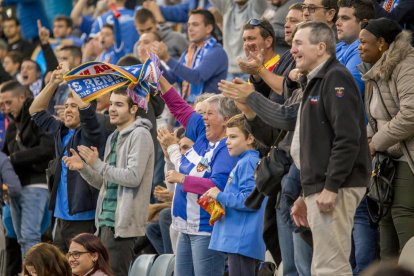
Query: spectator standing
{"x":28,"y":12}
{"x":387,"y":48}
{"x":31,"y":75}
{"x":30,"y":150}
{"x":203,"y":65}
{"x":10,"y":179}
{"x":235,"y":14}
{"x":321,"y":10}
{"x":11,"y":30}
{"x":111,"y":43}
{"x":126,"y":21}
{"x":276,"y":14}
{"x":124,"y":180}
{"x":72,"y":200}
{"x":12,"y":62}
{"x":175,"y":13}
{"x":207,"y":164}
{"x":350,"y":15}
{"x":334,"y":187}
{"x":245,"y":249}
{"x":145,"y":22}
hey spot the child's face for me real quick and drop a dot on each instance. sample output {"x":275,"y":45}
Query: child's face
{"x":237,"y":143}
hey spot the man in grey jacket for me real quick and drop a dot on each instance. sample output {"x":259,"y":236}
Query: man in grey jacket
{"x":124,"y":178}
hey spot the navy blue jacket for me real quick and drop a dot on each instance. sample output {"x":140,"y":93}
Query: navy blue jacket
{"x":82,"y":196}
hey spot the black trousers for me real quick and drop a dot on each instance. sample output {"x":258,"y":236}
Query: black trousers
{"x":121,"y":250}
{"x":67,"y":229}
{"x":240,"y":265}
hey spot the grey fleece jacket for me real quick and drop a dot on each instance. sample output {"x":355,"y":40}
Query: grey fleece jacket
{"x":133,"y":174}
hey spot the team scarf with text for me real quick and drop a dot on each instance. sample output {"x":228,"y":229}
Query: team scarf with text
{"x":93,"y":79}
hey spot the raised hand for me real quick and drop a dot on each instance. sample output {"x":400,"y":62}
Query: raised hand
{"x":90,"y":155}
{"x":78,"y":100}
{"x":237,"y":90}
{"x":44,"y":33}
{"x":165,"y":137}
{"x":253,"y":64}
{"x":74,"y":162}
{"x":57,"y":76}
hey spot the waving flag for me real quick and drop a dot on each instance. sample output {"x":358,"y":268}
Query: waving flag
{"x":93,"y":79}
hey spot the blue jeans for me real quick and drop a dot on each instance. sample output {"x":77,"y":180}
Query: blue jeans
{"x":364,"y":240}
{"x":159,"y":233}
{"x":303,"y":255}
{"x":27,"y":212}
{"x":194,"y":258}
{"x":296,"y":252}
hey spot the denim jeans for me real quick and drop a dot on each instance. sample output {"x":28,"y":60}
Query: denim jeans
{"x":27,"y":214}
{"x":303,"y":255}
{"x":296,"y":252}
{"x":159,"y":233}
{"x":194,"y":258}
{"x":364,"y":240}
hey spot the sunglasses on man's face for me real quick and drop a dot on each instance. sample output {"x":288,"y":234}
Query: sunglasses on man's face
{"x":259,"y":23}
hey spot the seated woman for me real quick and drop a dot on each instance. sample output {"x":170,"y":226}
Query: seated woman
{"x":389,"y":100}
{"x":45,"y":259}
{"x":88,"y":256}
{"x":207,"y":164}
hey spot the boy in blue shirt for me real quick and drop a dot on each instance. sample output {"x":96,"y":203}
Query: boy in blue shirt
{"x":239,"y":232}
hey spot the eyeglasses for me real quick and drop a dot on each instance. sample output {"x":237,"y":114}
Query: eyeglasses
{"x":75,"y":254}
{"x":312,"y":8}
{"x":258,"y":22}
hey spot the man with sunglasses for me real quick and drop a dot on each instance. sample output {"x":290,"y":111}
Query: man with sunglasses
{"x":235,"y":14}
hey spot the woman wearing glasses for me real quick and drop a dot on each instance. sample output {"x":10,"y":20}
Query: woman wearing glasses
{"x":88,"y":256}
{"x":45,"y":259}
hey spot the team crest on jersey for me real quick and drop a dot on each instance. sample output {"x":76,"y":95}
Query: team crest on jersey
{"x":203,"y":165}
{"x":313,"y":99}
{"x":339,"y":92}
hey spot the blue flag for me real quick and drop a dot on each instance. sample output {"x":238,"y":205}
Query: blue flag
{"x":93,"y":79}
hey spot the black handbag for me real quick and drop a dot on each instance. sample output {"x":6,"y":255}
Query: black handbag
{"x":380,"y":191}
{"x":271,"y":169}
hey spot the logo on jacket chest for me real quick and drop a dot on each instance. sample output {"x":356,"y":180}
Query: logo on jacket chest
{"x":313,"y":99}
{"x":339,"y":92}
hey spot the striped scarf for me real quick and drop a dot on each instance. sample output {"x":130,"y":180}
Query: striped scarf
{"x":192,"y":59}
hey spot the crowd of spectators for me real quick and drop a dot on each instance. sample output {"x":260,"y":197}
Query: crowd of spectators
{"x":89,"y":186}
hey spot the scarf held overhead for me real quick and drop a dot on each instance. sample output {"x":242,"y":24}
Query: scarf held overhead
{"x":94,"y":79}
